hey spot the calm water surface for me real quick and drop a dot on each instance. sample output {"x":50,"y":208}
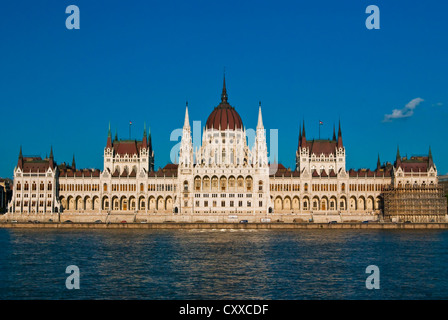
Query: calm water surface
{"x":223,"y":264}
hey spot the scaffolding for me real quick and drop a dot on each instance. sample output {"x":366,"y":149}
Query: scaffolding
{"x":415,"y":204}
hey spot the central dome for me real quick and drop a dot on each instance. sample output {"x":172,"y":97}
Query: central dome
{"x":224,"y":116}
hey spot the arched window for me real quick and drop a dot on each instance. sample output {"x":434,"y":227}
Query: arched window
{"x":206,"y":183}
{"x":249,"y":184}
{"x":185,"y":186}
{"x":240,"y":183}
{"x":214,"y":183}
{"x":197,"y":184}
{"x":223,"y":183}
{"x":260,"y":185}
{"x":231,"y":183}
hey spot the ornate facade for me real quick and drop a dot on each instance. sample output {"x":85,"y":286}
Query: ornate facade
{"x":222,"y":180}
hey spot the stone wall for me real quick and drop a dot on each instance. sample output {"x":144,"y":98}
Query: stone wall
{"x":210,"y":218}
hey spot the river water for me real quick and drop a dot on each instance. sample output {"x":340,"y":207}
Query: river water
{"x":223,"y":264}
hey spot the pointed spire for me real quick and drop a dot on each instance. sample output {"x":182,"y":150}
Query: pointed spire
{"x":145,"y":139}
{"x":74,"y":163}
{"x":430,"y":160}
{"x":303,"y":133}
{"x":378,"y":163}
{"x":224,"y":90}
{"x":116,"y":135}
{"x":334,"y":132}
{"x":187,"y":120}
{"x":20,"y":161}
{"x":340,"y":145}
{"x":398,"y":158}
{"x":303,"y":137}
{"x":300,"y":136}
{"x":260,"y":118}
{"x":109,"y":138}
{"x":51,"y":158}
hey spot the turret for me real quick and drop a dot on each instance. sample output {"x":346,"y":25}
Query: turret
{"x":73,"y":163}
{"x":51,"y":159}
{"x":186,"y":147}
{"x":109,"y":139}
{"x":260,"y":118}
{"x":398,"y":158}
{"x":224,"y":91}
{"x":303,"y":141}
{"x":20,"y":161}
{"x":145,"y":139}
{"x":340,"y":145}
{"x":430,"y":160}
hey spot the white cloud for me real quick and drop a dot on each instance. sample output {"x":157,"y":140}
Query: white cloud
{"x":438,"y":104}
{"x":406,"y":112}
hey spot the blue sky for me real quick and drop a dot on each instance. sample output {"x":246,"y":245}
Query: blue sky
{"x":140,"y":61}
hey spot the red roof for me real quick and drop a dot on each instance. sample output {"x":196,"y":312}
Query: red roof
{"x":171,"y":166}
{"x":326,"y":147}
{"x":224,"y":116}
{"x":35,"y":164}
{"x":414,"y":167}
{"x":282,"y":171}
{"x":129,"y":147}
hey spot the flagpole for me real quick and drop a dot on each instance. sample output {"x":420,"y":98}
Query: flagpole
{"x":130,"y":123}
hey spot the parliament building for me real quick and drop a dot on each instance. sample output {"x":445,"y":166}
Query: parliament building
{"x":224,"y":180}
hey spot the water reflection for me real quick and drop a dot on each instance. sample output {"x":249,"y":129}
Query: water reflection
{"x":223,"y":264}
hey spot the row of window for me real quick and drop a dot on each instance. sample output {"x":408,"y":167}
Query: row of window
{"x":224,"y":204}
{"x":159,"y":187}
{"x":367,"y":187}
{"x":33,"y":203}
{"x":221,"y":184}
{"x":116,"y":187}
{"x":26,"y":195}
{"x":224,"y":195}
{"x":327,"y":187}
{"x":121,"y":187}
{"x":26,"y":186}
{"x":79,"y":187}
